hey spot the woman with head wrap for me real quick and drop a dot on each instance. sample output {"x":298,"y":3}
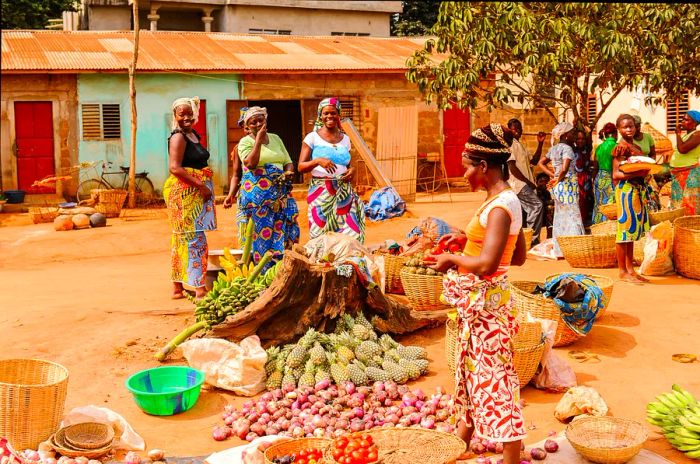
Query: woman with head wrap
{"x":487,"y":387}
{"x":602,"y":171}
{"x":685,"y":164}
{"x":333,"y":204}
{"x":265,"y":196}
{"x":564,"y":183}
{"x":631,"y":199}
{"x":582,"y":150}
{"x":188,"y":195}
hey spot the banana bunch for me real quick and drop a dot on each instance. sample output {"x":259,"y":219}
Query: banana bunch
{"x":678,"y":414}
{"x":233,"y":268}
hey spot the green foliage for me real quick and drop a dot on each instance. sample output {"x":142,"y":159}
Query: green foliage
{"x":503,"y":52}
{"x":33,"y":14}
{"x":417,"y":18}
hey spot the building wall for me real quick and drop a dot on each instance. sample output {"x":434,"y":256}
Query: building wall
{"x":109,"y":18}
{"x":154,"y":96}
{"x":57,"y":88}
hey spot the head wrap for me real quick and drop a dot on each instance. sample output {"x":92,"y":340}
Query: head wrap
{"x":608,"y":128}
{"x":637,"y":120}
{"x":192,"y":102}
{"x":254,"y":111}
{"x":559,"y":130}
{"x":241,"y":115}
{"x":331,"y":101}
{"x":694,"y":115}
{"x":490,"y":143}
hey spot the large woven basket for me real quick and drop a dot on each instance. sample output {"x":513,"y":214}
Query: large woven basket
{"x":686,"y":246}
{"x":423,"y":291}
{"x":606,"y":440}
{"x":656,"y":217}
{"x":590,"y":251}
{"x":604,"y":228}
{"x":542,"y":308}
{"x":43,"y":214}
{"x":110,"y":202}
{"x":293,"y":446}
{"x":392,"y":268}
{"x":606,"y":285}
{"x":609,"y":210}
{"x":528,"y":233}
{"x":88,"y":435}
{"x":32,"y":398}
{"x":528,"y":346}
{"x":411,"y":445}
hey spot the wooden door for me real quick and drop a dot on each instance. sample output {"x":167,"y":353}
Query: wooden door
{"x":201,"y":124}
{"x":397,"y":147}
{"x":234,"y":134}
{"x":455,"y":129}
{"x":34,"y":144}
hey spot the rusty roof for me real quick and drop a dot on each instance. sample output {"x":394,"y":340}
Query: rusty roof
{"x":161,"y":51}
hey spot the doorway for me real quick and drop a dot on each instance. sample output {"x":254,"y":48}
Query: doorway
{"x":455,"y":130}
{"x":34,"y":145}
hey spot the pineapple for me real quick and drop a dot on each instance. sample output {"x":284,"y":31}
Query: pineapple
{"x":282,"y":357}
{"x":362,"y":320}
{"x":274,"y":380}
{"x":322,"y":374}
{"x":398,"y":374}
{"x":357,"y":373}
{"x":392,"y":355}
{"x":289,"y":379}
{"x":374,"y":374}
{"x":411,"y":368}
{"x":367,"y":350}
{"x":317,"y":354}
{"x":307,"y":379}
{"x":346,"y":339}
{"x":345,"y":354}
{"x":338,"y":371}
{"x":361,"y":332}
{"x":296,"y":356}
{"x":387,"y":343}
{"x":271,"y":363}
{"x":412,"y":352}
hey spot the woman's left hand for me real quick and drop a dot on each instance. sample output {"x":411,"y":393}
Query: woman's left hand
{"x":347,"y":176}
{"x":439,"y":263}
{"x":206,"y":193}
{"x":552,"y":183}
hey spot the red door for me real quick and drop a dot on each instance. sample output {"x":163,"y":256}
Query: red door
{"x":201,"y":126}
{"x":34,"y":145}
{"x":455,"y":128}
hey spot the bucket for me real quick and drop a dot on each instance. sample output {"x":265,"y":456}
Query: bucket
{"x":15,"y":196}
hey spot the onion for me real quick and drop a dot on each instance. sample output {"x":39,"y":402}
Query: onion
{"x":538,"y":454}
{"x":241,"y":428}
{"x":349,"y":387}
{"x":322,"y":385}
{"x":319,"y":422}
{"x":491,"y":446}
{"x":298,"y":432}
{"x":409,"y":399}
{"x":478,"y":448}
{"x":427,"y":422}
{"x":272,"y":429}
{"x":483,"y":460}
{"x":393,"y":418}
{"x":257,"y":428}
{"x":251,"y":436}
{"x":499,"y":447}
{"x":133,"y":458}
{"x":378,"y":386}
{"x":551,"y":446}
{"x":357,"y":425}
{"x":78,"y":460}
{"x":442,"y":415}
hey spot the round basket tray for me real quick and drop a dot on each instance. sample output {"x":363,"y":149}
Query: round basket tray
{"x":59,"y":443}
{"x":392,"y":267}
{"x":686,"y":246}
{"x":43,"y":214}
{"x":606,"y":285}
{"x":656,"y":217}
{"x":110,"y":202}
{"x":411,"y":445}
{"x":423,"y":291}
{"x":528,"y":233}
{"x":527,"y":349}
{"x":589,"y":251}
{"x":606,"y":440}
{"x":292,"y":446}
{"x":88,"y":435}
{"x":609,"y":210}
{"x":542,"y":308}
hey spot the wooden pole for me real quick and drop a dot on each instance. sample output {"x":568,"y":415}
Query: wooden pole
{"x":132,"y":98}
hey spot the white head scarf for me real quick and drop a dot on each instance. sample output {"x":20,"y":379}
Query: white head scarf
{"x":192,"y":102}
{"x":559,"y":130}
{"x":254,"y":111}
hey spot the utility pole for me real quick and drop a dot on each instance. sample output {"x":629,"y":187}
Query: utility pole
{"x":132,"y":98}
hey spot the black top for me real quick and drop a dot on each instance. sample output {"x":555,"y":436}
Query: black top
{"x":195,"y":155}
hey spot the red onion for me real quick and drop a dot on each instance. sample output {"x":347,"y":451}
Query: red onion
{"x":322,"y":385}
{"x":241,"y":428}
{"x":349,"y":387}
{"x":551,"y":446}
{"x":499,"y":447}
{"x":298,"y":432}
{"x":319,"y":422}
{"x":272,"y":429}
{"x":409,"y":399}
{"x":277,"y":394}
{"x":427,"y":422}
{"x":364,"y":390}
{"x":219,"y":434}
{"x":378,"y":386}
{"x":478,"y":448}
{"x":358,"y":412}
{"x":538,"y":454}
{"x":228,"y":420}
{"x":393,"y":418}
{"x":251,"y":436}
{"x":483,"y":460}
{"x":257,"y":428}
{"x":357,"y":425}
{"x":267,"y":396}
{"x":491,"y":446}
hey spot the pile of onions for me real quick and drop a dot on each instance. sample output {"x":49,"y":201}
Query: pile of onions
{"x":329,"y":410}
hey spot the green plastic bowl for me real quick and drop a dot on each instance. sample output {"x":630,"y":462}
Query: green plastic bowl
{"x":167,"y":390}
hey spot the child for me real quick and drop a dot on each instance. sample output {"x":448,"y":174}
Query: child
{"x":545,"y":197}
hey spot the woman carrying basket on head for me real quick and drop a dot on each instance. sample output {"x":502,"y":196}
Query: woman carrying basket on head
{"x":188,"y":195}
{"x":487,"y":387}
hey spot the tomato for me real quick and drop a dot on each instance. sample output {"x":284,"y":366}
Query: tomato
{"x":365,"y":443}
{"x":341,"y":442}
{"x":372,"y":456}
{"x":454,"y":247}
{"x":367,"y":437}
{"x":300,"y":461}
{"x":311,"y":461}
{"x":303,"y":453}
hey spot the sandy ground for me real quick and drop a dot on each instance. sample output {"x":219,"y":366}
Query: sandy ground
{"x":97,"y":301}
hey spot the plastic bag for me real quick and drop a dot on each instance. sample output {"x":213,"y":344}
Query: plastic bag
{"x":580,"y":400}
{"x":239,"y":368}
{"x":554,"y":374}
{"x":658,"y":251}
{"x":544,"y":250}
{"x":250,"y":453}
{"x":125,"y":436}
{"x":336,"y":248}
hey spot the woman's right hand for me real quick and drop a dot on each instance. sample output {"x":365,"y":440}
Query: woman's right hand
{"x":326,"y":164}
{"x":206,"y":193}
{"x":228,"y":201}
{"x":262,"y":132}
{"x":454,"y":238}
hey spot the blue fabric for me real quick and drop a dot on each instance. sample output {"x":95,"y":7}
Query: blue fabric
{"x":695,"y":115}
{"x":580,"y":316}
{"x":442,"y":227}
{"x":384,"y":203}
{"x":338,"y":154}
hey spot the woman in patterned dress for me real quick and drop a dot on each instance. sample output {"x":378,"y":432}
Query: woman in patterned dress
{"x":602,"y":166}
{"x":685,"y":165}
{"x":487,"y":387}
{"x":188,"y":195}
{"x":564,"y":183}
{"x":333,"y":204}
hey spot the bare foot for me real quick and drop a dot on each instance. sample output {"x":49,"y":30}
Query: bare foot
{"x":178,"y":295}
{"x":632,"y":278}
{"x":639,"y":277}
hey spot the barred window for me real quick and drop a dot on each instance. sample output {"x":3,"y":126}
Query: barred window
{"x":101,"y":121}
{"x":350,"y":108}
{"x":675,"y":110}
{"x":270,"y":31}
{"x":591,"y":108}
{"x":352,"y":34}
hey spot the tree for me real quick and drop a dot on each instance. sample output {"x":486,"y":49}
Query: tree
{"x":417,"y":18}
{"x":34,"y":14}
{"x":553,"y":55}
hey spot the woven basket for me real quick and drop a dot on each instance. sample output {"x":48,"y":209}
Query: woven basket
{"x":606,"y":440}
{"x":292,"y":446}
{"x":110,"y":202}
{"x":541,"y":308}
{"x":527,"y":349}
{"x":32,"y":398}
{"x":59,"y":443}
{"x":423,"y":291}
{"x":528,"y":233}
{"x":662,"y":144}
{"x":606,"y":285}
{"x":43,"y":214}
{"x":686,"y":246}
{"x":656,"y":217}
{"x":591,"y":251}
{"x":89,"y":435}
{"x":609,"y":210}
{"x":392,"y":268}
{"x":604,"y":228}
{"x":411,"y":445}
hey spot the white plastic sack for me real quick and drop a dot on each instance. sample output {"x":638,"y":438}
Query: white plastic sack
{"x":125,"y":436}
{"x":250,"y":453}
{"x":239,"y":368}
{"x":658,"y":251}
{"x":544,"y":251}
{"x":580,"y":400}
{"x":554,"y":374}
{"x":339,"y":247}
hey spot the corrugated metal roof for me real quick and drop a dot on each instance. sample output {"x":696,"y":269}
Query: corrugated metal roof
{"x":60,"y":51}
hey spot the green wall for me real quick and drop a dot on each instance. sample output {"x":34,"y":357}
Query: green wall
{"x":154,"y":96}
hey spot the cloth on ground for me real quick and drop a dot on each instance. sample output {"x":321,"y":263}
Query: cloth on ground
{"x":250,"y":453}
{"x":346,"y":253}
{"x":384,"y":203}
{"x":579,"y":298}
{"x":124,"y":435}
{"x":580,"y":400}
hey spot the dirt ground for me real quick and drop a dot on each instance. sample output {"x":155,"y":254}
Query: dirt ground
{"x":97,"y":301}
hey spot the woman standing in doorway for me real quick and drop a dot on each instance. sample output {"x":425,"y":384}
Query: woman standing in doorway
{"x":333,"y":204}
{"x":188,"y":195}
{"x":487,"y":388}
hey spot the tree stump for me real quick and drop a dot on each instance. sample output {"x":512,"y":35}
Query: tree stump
{"x":305,"y":294}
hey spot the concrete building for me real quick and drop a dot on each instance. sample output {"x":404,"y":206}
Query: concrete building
{"x":284,"y":17}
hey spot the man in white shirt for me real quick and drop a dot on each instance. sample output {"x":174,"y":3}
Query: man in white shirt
{"x":522,"y":180}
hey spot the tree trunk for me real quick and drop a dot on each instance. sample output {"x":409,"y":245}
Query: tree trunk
{"x":305,"y":295}
{"x":132,"y":99}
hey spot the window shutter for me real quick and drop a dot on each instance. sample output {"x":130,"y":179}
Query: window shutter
{"x":91,"y":121}
{"x":591,"y":108}
{"x":350,"y":108}
{"x":111,"y":124}
{"x":675,"y":110}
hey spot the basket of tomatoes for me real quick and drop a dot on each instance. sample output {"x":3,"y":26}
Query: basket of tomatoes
{"x":353,"y":449}
{"x":299,"y":451}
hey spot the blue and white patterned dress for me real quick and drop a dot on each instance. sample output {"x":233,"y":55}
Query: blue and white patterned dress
{"x":567,"y":215}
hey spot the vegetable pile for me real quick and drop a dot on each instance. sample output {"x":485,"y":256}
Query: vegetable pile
{"x":305,"y":456}
{"x":480,"y":447}
{"x":415,"y":266}
{"x":360,"y":450}
{"x":327,"y":410}
{"x":678,"y":414}
{"x":354,"y":352}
